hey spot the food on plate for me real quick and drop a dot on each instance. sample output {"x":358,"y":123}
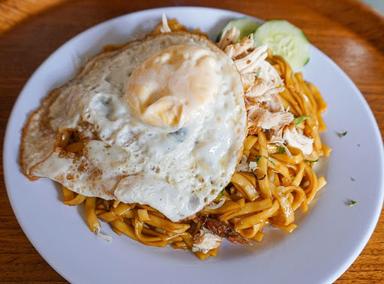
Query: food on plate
{"x":176,"y":140}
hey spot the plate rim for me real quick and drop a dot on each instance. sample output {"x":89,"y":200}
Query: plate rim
{"x":362,"y":101}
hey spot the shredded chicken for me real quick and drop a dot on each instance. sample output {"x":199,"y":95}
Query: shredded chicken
{"x":277,"y":137}
{"x":269,"y":120}
{"x":229,"y":37}
{"x":266,"y":87}
{"x":266,"y":94}
{"x":272,"y":102}
{"x":236,"y":49}
{"x":269,"y":73}
{"x":248,"y":80}
{"x":164,"y":25}
{"x":261,"y":88}
{"x":206,"y":241}
{"x":298,"y":140}
{"x":243,"y":165}
{"x":252,"y":166}
{"x":251,"y":61}
{"x":262,"y":85}
{"x":215,"y":205}
{"x":261,"y":81}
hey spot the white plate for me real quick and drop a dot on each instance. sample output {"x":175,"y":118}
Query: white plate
{"x":329,"y":238}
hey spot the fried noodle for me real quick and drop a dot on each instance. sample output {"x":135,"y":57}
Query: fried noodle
{"x":269,"y":192}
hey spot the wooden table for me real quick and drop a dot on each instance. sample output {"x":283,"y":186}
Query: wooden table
{"x":350,"y":33}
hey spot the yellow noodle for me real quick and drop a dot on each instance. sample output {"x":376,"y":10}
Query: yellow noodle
{"x":259,"y":236}
{"x":248,"y":144}
{"x":90,"y":214}
{"x":124,"y":228}
{"x":263,"y":166}
{"x":143,"y":215}
{"x":166,"y":225}
{"x":148,"y":240}
{"x":249,"y":221}
{"x":299,"y":175}
{"x":77,"y":200}
{"x":251,"y":232}
{"x":250,"y":207}
{"x":245,"y":185}
{"x":67,"y":194}
{"x":285,"y":215}
{"x":228,"y":206}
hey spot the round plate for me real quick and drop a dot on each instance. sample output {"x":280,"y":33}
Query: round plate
{"x":327,"y":241}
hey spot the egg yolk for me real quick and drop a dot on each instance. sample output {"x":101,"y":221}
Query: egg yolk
{"x":172,"y":86}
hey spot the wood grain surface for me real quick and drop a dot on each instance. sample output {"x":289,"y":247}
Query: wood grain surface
{"x":347,"y":31}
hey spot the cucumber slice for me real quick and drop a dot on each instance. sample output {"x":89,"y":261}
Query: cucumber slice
{"x":245,"y":25}
{"x":284,"y":39}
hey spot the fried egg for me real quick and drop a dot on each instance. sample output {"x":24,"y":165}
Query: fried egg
{"x":160,"y":121}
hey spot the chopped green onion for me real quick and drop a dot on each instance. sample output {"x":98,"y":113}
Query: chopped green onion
{"x":280,"y":149}
{"x":312,"y":161}
{"x":351,"y":203}
{"x":342,"y":134}
{"x":298,"y":120}
{"x":220,"y":195}
{"x":268,"y":159}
